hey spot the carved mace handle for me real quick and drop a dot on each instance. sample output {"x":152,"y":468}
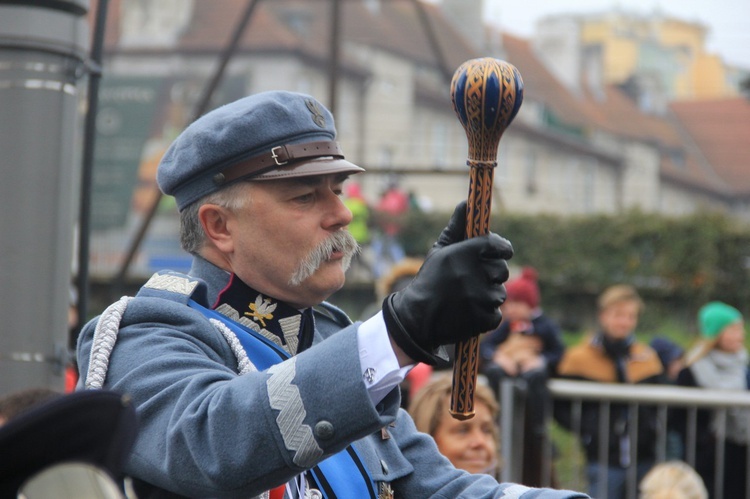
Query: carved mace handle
{"x":486,"y":95}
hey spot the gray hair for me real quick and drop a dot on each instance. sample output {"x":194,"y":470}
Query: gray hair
{"x":192,"y":235}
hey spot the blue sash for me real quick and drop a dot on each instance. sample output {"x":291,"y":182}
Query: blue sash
{"x":342,"y":475}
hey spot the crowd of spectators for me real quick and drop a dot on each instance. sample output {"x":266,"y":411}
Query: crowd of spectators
{"x":612,"y":353}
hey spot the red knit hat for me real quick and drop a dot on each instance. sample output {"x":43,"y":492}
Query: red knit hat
{"x":524,"y":288}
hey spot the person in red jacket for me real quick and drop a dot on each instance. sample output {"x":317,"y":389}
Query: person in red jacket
{"x":389,"y":213}
{"x":527,"y":345}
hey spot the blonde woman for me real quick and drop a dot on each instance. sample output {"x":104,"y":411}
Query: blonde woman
{"x":672,"y":480}
{"x":719,"y":362}
{"x":472,"y":445}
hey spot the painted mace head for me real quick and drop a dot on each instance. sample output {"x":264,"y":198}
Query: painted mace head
{"x":486,"y":94}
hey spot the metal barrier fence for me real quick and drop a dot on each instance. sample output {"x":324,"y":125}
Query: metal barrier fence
{"x":662,"y":397}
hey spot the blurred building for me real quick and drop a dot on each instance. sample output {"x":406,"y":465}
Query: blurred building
{"x":582,"y":142}
{"x":664,"y":56}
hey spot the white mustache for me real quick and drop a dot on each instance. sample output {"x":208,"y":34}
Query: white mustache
{"x":338,"y":241}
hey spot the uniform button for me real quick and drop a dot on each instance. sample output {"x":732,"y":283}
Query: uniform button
{"x":324,"y":430}
{"x":384,"y":466}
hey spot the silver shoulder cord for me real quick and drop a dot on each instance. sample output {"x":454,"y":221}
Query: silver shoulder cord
{"x":105,"y":337}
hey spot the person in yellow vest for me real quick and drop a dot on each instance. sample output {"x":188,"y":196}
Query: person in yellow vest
{"x":359,"y":227}
{"x":357,"y":204}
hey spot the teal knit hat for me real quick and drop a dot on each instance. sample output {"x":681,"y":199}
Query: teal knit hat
{"x":715,"y":316}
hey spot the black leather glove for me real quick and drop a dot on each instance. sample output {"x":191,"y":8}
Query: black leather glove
{"x":456,"y":294}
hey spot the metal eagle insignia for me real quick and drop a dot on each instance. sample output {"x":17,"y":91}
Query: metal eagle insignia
{"x":386,"y":492}
{"x":317,"y":114}
{"x":261,"y":310}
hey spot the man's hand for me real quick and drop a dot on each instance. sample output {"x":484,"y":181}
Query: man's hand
{"x":455,"y":295}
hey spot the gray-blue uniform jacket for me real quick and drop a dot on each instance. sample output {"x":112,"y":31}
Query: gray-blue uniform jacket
{"x":211,"y":425}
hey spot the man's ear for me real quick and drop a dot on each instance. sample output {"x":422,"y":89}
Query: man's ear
{"x":215,"y":220}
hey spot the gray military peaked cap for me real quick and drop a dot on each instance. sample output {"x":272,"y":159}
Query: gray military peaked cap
{"x":266,"y":136}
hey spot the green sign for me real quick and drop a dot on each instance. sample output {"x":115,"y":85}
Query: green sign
{"x":127,"y":108}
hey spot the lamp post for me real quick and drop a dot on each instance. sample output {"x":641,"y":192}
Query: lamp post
{"x":42,"y":57}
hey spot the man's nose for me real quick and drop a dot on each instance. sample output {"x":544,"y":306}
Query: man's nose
{"x":337,"y":214}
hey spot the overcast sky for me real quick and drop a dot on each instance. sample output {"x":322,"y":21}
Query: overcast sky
{"x":728,"y":21}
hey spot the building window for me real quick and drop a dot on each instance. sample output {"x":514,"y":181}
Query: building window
{"x":530,"y":174}
{"x":678,"y":158}
{"x":569,"y":183}
{"x":146,"y":23}
{"x":589,"y":185}
{"x":373,"y":6}
{"x":439,"y":144}
{"x":385,"y":157}
{"x":298,"y":21}
{"x":502,"y":170}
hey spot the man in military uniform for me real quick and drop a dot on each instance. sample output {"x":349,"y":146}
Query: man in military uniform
{"x":246,"y":382}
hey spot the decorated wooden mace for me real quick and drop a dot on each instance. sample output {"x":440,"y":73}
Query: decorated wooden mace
{"x":486,"y":95}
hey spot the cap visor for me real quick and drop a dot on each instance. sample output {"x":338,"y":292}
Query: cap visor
{"x":318,"y":166}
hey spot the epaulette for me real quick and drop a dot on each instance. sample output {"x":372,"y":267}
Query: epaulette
{"x":181,"y":287}
{"x":169,"y":285}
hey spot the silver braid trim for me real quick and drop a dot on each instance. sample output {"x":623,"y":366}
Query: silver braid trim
{"x":105,"y":336}
{"x":243,"y":362}
{"x":285,"y":398}
{"x":173,"y":283}
{"x":515,"y":491}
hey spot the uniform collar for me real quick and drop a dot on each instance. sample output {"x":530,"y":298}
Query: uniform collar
{"x":276,"y":320}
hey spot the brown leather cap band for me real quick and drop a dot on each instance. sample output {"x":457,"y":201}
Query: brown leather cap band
{"x":278,"y":157}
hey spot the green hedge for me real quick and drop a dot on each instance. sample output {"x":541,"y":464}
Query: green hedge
{"x":676,"y":263}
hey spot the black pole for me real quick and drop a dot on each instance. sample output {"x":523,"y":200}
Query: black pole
{"x":432,"y":40}
{"x":200,"y":109}
{"x":84,"y":215}
{"x":334,"y":55}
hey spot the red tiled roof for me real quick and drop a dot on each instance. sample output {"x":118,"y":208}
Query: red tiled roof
{"x":721,"y":130}
{"x":540,"y":85}
{"x":619,"y":114}
{"x":693,"y":172}
{"x":215,"y":20}
{"x":394,"y":27}
{"x":615,"y":112}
